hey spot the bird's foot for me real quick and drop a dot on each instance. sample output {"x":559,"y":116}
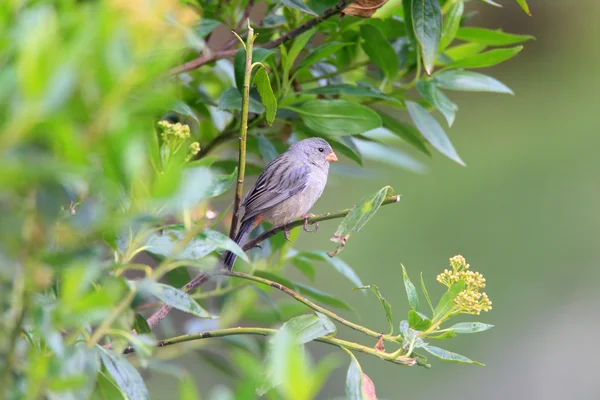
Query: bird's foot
{"x":286,"y":233}
{"x":306,"y":217}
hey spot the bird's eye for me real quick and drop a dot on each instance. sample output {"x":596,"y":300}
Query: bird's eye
{"x":321,"y":149}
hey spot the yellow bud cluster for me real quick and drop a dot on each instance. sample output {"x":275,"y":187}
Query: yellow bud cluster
{"x":470,"y":301}
{"x":194,"y":148}
{"x":177,"y":130}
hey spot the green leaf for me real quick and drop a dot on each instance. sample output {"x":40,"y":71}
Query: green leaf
{"x":379,"y":50}
{"x":417,"y":321}
{"x":486,"y":59}
{"x":470,"y":327}
{"x":404,"y":131}
{"x":163,"y":243}
{"x":205,"y":27}
{"x":451,"y":24}
{"x":492,"y":3}
{"x":239,"y":64}
{"x":299,"y":5}
{"x":336,"y":263}
{"x":384,"y":303}
{"x":305,"y":267}
{"x":438,"y":99}
{"x":432,"y":131}
{"x":267,"y":151}
{"x":490,"y":37}
{"x":107,"y":389}
{"x":469,"y":81}
{"x":298,"y":45}
{"x":263,"y":85}
{"x":411,"y":291}
{"x":309,"y":327}
{"x":447,"y":301}
{"x":174,"y":297}
{"x":337,"y":117}
{"x":187,"y":388}
{"x":427,"y":25}
{"x":320,"y":53}
{"x":346,"y":146}
{"x":183,"y":109}
{"x":464,"y":50}
{"x":358,"y":385}
{"x":141,"y":325}
{"x":385,"y":153}
{"x":358,"y":217}
{"x":231,"y":99}
{"x":524,"y":6}
{"x":449,"y":356}
{"x":444,"y":336}
{"x":424,"y":289}
{"x":408,"y":21}
{"x":125,"y":375}
{"x":352,"y":90}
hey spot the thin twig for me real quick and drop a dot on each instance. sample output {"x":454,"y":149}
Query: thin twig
{"x":207,"y":58}
{"x":239,"y":191}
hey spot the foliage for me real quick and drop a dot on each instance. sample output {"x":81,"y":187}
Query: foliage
{"x":116,"y":137}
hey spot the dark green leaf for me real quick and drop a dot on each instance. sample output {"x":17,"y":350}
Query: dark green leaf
{"x":352,"y":90}
{"x":141,"y":325}
{"x":299,"y":5}
{"x":449,"y":356}
{"x":417,"y":322}
{"x":320,"y":53}
{"x":263,"y":85}
{"x":524,"y":6}
{"x":424,"y":289}
{"x":384,"y":303}
{"x":451,"y":24}
{"x":183,"y":109}
{"x":205,"y":26}
{"x":427,"y":25}
{"x":309,"y":327}
{"x":486,"y":59}
{"x":298,"y":45}
{"x":408,"y":21}
{"x":336,"y":263}
{"x":469,"y":81}
{"x":347,"y":147}
{"x":405,"y":131}
{"x":174,"y":297}
{"x":358,"y":217}
{"x":305,"y":267}
{"x":231,"y":99}
{"x":379,"y":50}
{"x":438,"y":99}
{"x":107,"y":389}
{"x":470,"y":327}
{"x":411,"y":291}
{"x":490,"y":37}
{"x":337,"y":117}
{"x":432,"y":131}
{"x":268,"y":152}
{"x":239,"y":64}
{"x":124,"y":374}
{"x":447,"y":301}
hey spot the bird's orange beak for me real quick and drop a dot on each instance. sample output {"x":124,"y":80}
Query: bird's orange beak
{"x":331,"y":157}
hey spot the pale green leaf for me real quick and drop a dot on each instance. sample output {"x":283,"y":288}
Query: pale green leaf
{"x":174,"y":297}
{"x":470,"y":327}
{"x":486,"y":59}
{"x":524,"y":6}
{"x":427,"y":26}
{"x":438,"y":99}
{"x":384,"y":303}
{"x":125,"y":375}
{"x":337,"y":117}
{"x":469,"y":81}
{"x":411,"y":291}
{"x":339,"y":265}
{"x":451,"y":24}
{"x":449,"y":356}
{"x":490,"y":37}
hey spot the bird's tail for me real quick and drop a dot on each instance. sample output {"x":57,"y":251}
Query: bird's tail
{"x":229,"y":257}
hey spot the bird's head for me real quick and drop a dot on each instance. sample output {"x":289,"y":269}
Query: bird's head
{"x":316,"y":150}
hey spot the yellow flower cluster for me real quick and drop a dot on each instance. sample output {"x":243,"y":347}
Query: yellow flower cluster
{"x":177,"y":130}
{"x":194,"y":148}
{"x":470,"y":301}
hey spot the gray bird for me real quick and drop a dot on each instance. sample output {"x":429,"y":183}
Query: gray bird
{"x":287,"y":188}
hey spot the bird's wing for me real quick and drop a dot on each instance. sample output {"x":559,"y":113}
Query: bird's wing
{"x":278,"y":182}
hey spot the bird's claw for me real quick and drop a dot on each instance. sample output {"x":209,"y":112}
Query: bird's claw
{"x":306,"y":217}
{"x":286,"y":233}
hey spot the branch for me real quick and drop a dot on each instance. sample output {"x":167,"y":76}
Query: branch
{"x":311,"y":221}
{"x":217,"y":55}
{"x":392,"y":357}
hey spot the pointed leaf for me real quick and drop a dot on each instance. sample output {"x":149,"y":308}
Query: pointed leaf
{"x":486,"y":59}
{"x":125,"y":375}
{"x":438,"y":99}
{"x":490,"y":37}
{"x":174,"y":297}
{"x":183,"y":109}
{"x":354,"y":381}
{"x":524,"y":6}
{"x":141,"y":325}
{"x":320,"y":53}
{"x":470,"y":327}
{"x":379,"y":50}
{"x":205,"y":26}
{"x":424,"y":289}
{"x":405,"y":131}
{"x":451,"y":24}
{"x":309,"y":327}
{"x":338,"y":117}
{"x":417,"y":321}
{"x":469,"y":81}
{"x":450,"y":356}
{"x":447,"y":301}
{"x":299,"y":5}
{"x":336,"y":263}
{"x":464,"y":50}
{"x":411,"y":291}
{"x":492,"y":3}
{"x":358,"y":217}
{"x":427,"y":25}
{"x":352,"y":90}
{"x":298,"y":45}
{"x":263,"y":85}
{"x":239,"y":64}
{"x":267,"y":150}
{"x":231,"y":99}
{"x":106,"y":388}
{"x":432,"y":131}
{"x":384,"y":303}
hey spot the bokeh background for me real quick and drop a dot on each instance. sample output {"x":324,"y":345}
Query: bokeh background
{"x":524,"y":212}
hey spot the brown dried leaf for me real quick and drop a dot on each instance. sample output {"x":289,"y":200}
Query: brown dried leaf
{"x":379,"y":346}
{"x":364,"y":8}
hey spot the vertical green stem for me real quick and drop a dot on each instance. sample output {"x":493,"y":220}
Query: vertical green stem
{"x":243,"y":132}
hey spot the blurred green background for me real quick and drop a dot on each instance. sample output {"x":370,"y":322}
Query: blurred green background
{"x":524,"y":212}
